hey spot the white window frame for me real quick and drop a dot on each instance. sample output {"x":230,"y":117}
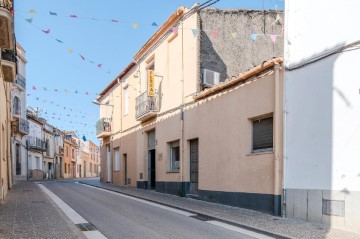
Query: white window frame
{"x":117,"y":159}
{"x":174,"y":166}
{"x":126,"y":99}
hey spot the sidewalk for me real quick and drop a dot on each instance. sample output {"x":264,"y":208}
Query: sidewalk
{"x":259,"y":221}
{"x":29,"y":213}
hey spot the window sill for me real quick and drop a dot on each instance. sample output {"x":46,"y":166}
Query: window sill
{"x":260,"y":152}
{"x":116,"y":170}
{"x":173,"y":171}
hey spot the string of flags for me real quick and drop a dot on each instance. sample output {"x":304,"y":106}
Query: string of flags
{"x":57,"y":90}
{"x":70,"y":50}
{"x":63,"y":107}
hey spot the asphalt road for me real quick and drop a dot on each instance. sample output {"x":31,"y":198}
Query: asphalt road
{"x":120,"y":217}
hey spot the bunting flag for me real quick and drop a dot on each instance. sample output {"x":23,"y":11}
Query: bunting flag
{"x":34,"y":88}
{"x":46,"y":31}
{"x":45,"y":89}
{"x":73,"y":16}
{"x":59,"y":40}
{"x":32,"y":11}
{"x":84,"y":138}
{"x":70,"y":50}
{"x":82,"y":57}
{"x":273,"y":38}
{"x":154,"y":24}
{"x":29,"y":20}
{"x":214,"y":34}
{"x":175,"y":30}
{"x":135,"y":26}
{"x":253,"y":37}
{"x":114,"y":20}
{"x":195,"y":32}
{"x":53,"y":13}
{"x":99,"y":65}
{"x":56,"y":90}
{"x":234,"y":35}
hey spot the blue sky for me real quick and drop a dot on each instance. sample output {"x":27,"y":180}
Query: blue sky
{"x":111,"y":44}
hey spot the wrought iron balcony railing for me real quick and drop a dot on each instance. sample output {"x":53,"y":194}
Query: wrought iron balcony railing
{"x":146,"y":105}
{"x":8,"y":55}
{"x":20,"y":82}
{"x":20,"y":125}
{"x":103,"y":126}
{"x":36,"y":143}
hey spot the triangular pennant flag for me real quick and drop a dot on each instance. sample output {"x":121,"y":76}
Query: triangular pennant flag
{"x":195,"y":32}
{"x":154,"y":24}
{"x":135,"y":26}
{"x":56,"y":90}
{"x":53,"y":13}
{"x":37,"y":98}
{"x":175,"y":30}
{"x":76,"y":91}
{"x":214,"y":34}
{"x":73,"y":16}
{"x":114,"y":20}
{"x":45,"y":89}
{"x":46,"y":31}
{"x":70,"y":50}
{"x":99,"y":65}
{"x":33,"y":11}
{"x":87,"y":93}
{"x":91,"y":62}
{"x":66,"y":91}
{"x":273,"y":38}
{"x":59,"y":41}
{"x":28,"y":95}
{"x":253,"y":37}
{"x":34,"y":88}
{"x":234,"y":35}
{"x":29,"y":20}
{"x":94,"y":19}
{"x":82,"y":57}
{"x":84,"y":138}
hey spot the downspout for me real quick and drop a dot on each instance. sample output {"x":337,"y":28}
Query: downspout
{"x":277,"y":141}
{"x":182,"y":113}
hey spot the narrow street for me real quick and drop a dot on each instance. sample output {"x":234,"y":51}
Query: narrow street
{"x":119,"y":216}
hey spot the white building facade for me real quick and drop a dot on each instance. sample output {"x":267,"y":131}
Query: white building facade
{"x":322,"y":113}
{"x":19,"y":125}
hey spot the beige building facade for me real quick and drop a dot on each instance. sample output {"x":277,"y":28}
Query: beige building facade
{"x":7,"y":76}
{"x":175,"y":120}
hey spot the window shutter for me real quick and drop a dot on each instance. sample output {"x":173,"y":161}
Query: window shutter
{"x":263,"y":134}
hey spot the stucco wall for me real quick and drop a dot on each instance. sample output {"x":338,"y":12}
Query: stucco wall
{"x":323,"y":111}
{"x":231,"y":55}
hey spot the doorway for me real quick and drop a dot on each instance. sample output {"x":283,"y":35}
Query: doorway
{"x":151,"y":160}
{"x":194,"y":166}
{"x":108,"y":159}
{"x":125,"y":169}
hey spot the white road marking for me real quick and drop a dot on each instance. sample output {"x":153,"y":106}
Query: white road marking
{"x":240,"y":230}
{"x":144,"y":201}
{"x":71,"y":214}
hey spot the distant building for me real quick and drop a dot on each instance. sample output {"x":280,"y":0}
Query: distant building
{"x":70,"y":154}
{"x":19,"y":122}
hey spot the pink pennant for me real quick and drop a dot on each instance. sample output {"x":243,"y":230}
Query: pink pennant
{"x":46,"y":31}
{"x":99,"y":65}
{"x":82,"y":57}
{"x":34,"y":88}
{"x":175,"y":30}
{"x":214,"y":34}
{"x":114,"y":20}
{"x":73,"y":16}
{"x":273,"y":38}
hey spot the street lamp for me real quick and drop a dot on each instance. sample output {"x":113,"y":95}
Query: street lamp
{"x":96,"y":102}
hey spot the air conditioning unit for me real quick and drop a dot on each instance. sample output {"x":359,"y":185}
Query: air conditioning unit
{"x":211,"y":78}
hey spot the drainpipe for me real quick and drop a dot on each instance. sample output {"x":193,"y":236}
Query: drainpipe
{"x":277,"y":141}
{"x":182,"y":113}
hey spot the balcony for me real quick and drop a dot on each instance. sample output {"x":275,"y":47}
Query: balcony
{"x":8,"y":64}
{"x":7,"y":24}
{"x":20,"y":126}
{"x":20,"y":82}
{"x":146,"y":106}
{"x":103,"y":128}
{"x":36,"y":144}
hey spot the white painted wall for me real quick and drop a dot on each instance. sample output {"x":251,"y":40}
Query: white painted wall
{"x":322,"y":100}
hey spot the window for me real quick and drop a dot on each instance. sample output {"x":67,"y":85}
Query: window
{"x":174,"y":156}
{"x":262,"y":135}
{"x":66,"y":151}
{"x":116,"y":159}
{"x":73,"y":153}
{"x":126,"y":100}
{"x":17,"y":106}
{"x":38,"y":165}
{"x":90,"y":167}
{"x":18,"y":159}
{"x":65,"y":168}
